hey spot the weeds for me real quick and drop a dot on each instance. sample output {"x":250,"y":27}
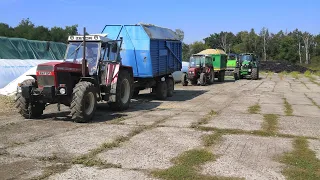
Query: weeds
{"x":255,"y":109}
{"x":288,"y":107}
{"x":270,"y":123}
{"x":295,"y":74}
{"x":302,"y":162}
{"x":313,"y":102}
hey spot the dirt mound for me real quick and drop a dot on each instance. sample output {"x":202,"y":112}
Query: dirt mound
{"x":280,"y":66}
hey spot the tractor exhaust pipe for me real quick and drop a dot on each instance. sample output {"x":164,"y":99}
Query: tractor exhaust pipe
{"x":84,"y":61}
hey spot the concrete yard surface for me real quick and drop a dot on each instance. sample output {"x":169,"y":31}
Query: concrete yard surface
{"x":152,"y":134}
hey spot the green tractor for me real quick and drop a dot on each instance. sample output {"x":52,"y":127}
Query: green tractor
{"x":231,"y":63}
{"x":247,"y":66}
{"x":219,"y":62}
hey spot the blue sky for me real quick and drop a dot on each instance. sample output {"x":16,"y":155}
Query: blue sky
{"x":197,"y":18}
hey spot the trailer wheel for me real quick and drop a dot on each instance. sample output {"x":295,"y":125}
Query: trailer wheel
{"x":27,"y":110}
{"x":236,"y":74}
{"x":161,"y":90}
{"x":124,"y":92}
{"x":221,"y":76}
{"x":184,"y":80}
{"x":170,"y":87}
{"x":203,"y":79}
{"x":84,"y":102}
{"x":255,"y":74}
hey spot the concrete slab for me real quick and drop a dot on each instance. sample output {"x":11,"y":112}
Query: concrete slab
{"x":78,"y":172}
{"x":299,"y":126}
{"x":237,"y":121}
{"x":235,"y":109}
{"x":297,"y":99}
{"x":72,"y":143}
{"x":272,"y":109}
{"x":268,"y":98}
{"x":154,"y":148}
{"x":249,"y":157}
{"x":314,"y":145}
{"x":306,"y":110}
{"x":185,"y":119}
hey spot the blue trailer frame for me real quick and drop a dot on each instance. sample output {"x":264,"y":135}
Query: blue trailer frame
{"x":153,"y":52}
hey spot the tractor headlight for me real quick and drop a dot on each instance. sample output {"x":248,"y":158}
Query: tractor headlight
{"x":62,"y":91}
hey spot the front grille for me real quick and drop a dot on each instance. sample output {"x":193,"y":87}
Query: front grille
{"x":45,"y":80}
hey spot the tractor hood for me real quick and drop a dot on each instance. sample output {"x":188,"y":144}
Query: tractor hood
{"x":60,"y":66}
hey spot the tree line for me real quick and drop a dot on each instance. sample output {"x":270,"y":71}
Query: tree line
{"x":26,"y":29}
{"x":294,"y":46}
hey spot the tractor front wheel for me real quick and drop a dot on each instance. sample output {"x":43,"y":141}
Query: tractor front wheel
{"x":203,"y":79}
{"x":84,"y":102}
{"x":255,"y":74}
{"x":123,"y":93}
{"x":184,"y":80}
{"x":27,"y":109}
{"x":236,"y":74}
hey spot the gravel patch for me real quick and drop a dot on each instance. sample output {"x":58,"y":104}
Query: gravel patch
{"x":249,"y":157}
{"x":299,"y":126}
{"x":76,"y":142}
{"x":237,"y":121}
{"x":154,"y":148}
{"x":78,"y":172}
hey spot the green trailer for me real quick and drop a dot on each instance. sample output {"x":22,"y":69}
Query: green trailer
{"x":231,"y":63}
{"x":219,"y":63}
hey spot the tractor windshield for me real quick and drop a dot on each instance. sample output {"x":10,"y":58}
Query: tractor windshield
{"x":75,"y":52}
{"x":246,"y":58}
{"x":196,"y":61}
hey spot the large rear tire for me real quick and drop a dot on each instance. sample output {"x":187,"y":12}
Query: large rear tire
{"x":170,"y":86}
{"x":203,"y":79}
{"x":161,"y":90}
{"x":27,"y":110}
{"x":211,"y":80}
{"x":84,"y":102}
{"x":255,"y":74}
{"x":123,"y":93}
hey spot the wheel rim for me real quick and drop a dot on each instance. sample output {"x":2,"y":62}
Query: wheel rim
{"x":125,"y":91}
{"x":89,"y":103}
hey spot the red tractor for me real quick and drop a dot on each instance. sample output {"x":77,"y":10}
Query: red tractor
{"x":91,"y":71}
{"x":201,"y":71}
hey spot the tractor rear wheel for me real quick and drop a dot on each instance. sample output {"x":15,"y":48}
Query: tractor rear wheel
{"x":170,"y":86}
{"x":236,"y":74}
{"x":221,"y":76}
{"x":203,"y":79}
{"x":123,"y":93}
{"x":184,"y":80}
{"x":255,"y":74}
{"x":161,"y":90}
{"x":26,"y":109}
{"x":84,"y":102}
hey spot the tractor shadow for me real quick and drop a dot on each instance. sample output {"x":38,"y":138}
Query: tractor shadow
{"x":143,"y":102}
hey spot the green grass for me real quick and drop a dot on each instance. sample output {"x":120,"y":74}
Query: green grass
{"x":212,"y":139}
{"x":270,"y":123}
{"x":205,"y":119}
{"x":295,"y":74}
{"x":255,"y":109}
{"x":187,"y":167}
{"x":288,"y":108}
{"x":302,"y":163}
{"x":282,"y":74}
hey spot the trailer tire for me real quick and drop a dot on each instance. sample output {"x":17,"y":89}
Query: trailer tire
{"x":84,"y":102}
{"x":28,"y":112}
{"x":203,"y":79}
{"x":124,"y":92}
{"x":170,"y":87}
{"x":221,"y":76}
{"x":184,"y":80}
{"x":236,"y":74}
{"x":255,"y":74}
{"x":161,"y":90}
